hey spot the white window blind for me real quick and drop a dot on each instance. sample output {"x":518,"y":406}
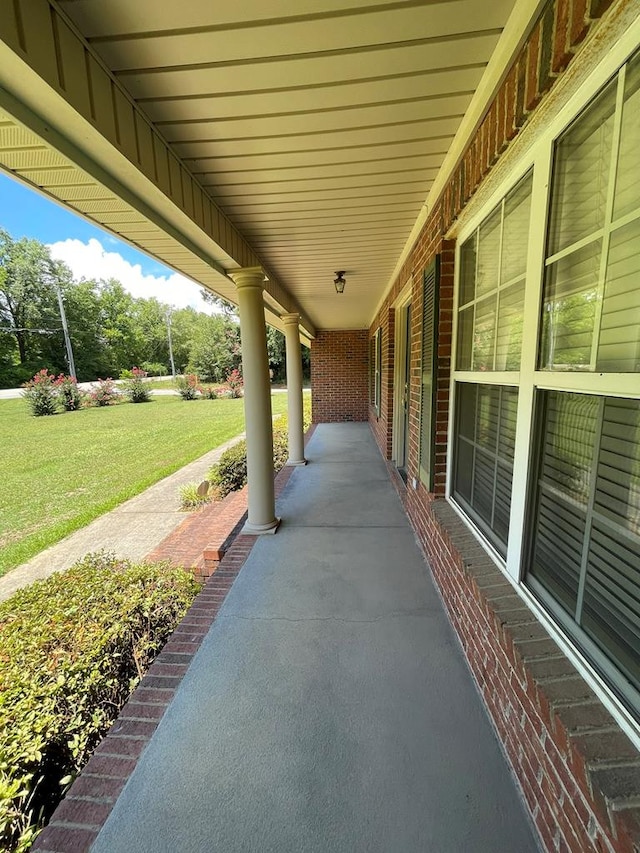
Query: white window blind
{"x":591,"y":311}
{"x":586,"y":530}
{"x":485,"y":439}
{"x":493,"y":265}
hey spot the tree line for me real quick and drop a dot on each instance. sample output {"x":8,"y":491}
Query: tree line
{"x":110,"y":330}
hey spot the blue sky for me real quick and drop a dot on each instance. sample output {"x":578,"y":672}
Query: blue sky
{"x":90,"y":251}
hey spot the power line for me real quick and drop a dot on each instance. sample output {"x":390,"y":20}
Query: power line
{"x":36,"y":331}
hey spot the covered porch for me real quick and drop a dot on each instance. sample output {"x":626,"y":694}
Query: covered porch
{"x":329,"y":706}
{"x":466,"y":173}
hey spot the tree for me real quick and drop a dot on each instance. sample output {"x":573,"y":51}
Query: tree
{"x":277,"y":353}
{"x":227,"y":308}
{"x":122,"y":332}
{"x":183,"y":324}
{"x":215,"y":348}
{"x":28,"y":303}
{"x":84,"y":317}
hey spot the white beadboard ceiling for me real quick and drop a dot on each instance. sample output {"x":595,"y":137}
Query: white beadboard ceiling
{"x":317,"y":126}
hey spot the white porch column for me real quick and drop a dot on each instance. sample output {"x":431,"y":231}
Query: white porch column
{"x":294,"y":389}
{"x":257,"y":402}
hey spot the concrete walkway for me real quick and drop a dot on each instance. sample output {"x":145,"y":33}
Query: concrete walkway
{"x":131,"y":530}
{"x":329,"y":707}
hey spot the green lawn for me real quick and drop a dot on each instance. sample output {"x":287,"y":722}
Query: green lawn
{"x":61,"y":472}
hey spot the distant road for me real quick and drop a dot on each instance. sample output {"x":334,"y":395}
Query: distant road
{"x":12,"y":393}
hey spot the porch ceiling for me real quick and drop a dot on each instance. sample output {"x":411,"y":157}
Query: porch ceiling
{"x":318,"y":127}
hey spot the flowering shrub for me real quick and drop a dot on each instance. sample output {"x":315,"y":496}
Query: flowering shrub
{"x":209,"y":392}
{"x":41,"y":393}
{"x":135,"y":387}
{"x":188,"y":387}
{"x":69,"y":394}
{"x":104,"y":393}
{"x":235,"y":383}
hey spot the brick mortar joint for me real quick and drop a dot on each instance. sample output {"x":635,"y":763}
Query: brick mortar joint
{"x":449,"y":530}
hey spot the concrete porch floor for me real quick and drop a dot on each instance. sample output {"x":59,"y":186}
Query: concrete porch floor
{"x":329,"y":708}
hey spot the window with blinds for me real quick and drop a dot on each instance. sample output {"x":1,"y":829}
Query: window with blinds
{"x":429,"y":371}
{"x":585,"y":536}
{"x":485,"y":441}
{"x":574,"y":478}
{"x":492,"y":276}
{"x":591,"y":306}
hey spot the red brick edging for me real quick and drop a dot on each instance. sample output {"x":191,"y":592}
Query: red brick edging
{"x":79,"y":818}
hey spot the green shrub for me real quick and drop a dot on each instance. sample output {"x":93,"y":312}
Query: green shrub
{"x":194,"y":495}
{"x":135,"y":386}
{"x":280,"y":444}
{"x":41,"y":394}
{"x":69,"y":394}
{"x":72,"y":648}
{"x":230,"y":472}
{"x":188,"y":387}
{"x":104,"y":393}
{"x":235,"y":384}
{"x":210,"y":392}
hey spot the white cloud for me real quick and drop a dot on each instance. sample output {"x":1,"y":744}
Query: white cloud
{"x":91,"y":261}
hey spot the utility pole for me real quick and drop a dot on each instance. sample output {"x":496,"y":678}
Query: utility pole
{"x":65,"y":329}
{"x":173,"y":366}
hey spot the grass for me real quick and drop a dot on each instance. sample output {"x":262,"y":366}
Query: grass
{"x":63,"y":471}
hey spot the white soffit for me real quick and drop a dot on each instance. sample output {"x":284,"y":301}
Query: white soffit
{"x":318,"y":130}
{"x":318,"y":127}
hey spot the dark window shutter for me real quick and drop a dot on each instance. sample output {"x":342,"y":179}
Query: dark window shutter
{"x":429,"y":371}
{"x":372,"y":371}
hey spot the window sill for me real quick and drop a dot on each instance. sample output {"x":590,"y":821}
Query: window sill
{"x":551,"y":723}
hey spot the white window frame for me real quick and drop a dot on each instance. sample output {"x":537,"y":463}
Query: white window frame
{"x":529,"y":379}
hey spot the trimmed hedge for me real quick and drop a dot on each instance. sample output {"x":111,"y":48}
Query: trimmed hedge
{"x":230,"y":472}
{"x":72,"y":648}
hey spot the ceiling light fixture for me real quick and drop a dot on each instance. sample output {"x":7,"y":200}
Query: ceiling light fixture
{"x":340,"y":281}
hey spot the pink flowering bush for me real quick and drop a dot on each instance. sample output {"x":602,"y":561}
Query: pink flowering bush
{"x":235,"y":383}
{"x":136,"y":387}
{"x":41,"y":393}
{"x":209,"y":392}
{"x":104,"y":393}
{"x":188,"y":387}
{"x":69,"y":394}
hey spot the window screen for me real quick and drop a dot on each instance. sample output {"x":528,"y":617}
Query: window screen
{"x":485,"y":440}
{"x":591,"y":308}
{"x":492,"y":273}
{"x":585,"y":542}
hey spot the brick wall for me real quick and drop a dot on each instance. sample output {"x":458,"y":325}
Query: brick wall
{"x":579,"y":773}
{"x":428,"y":246}
{"x":339,"y":376}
